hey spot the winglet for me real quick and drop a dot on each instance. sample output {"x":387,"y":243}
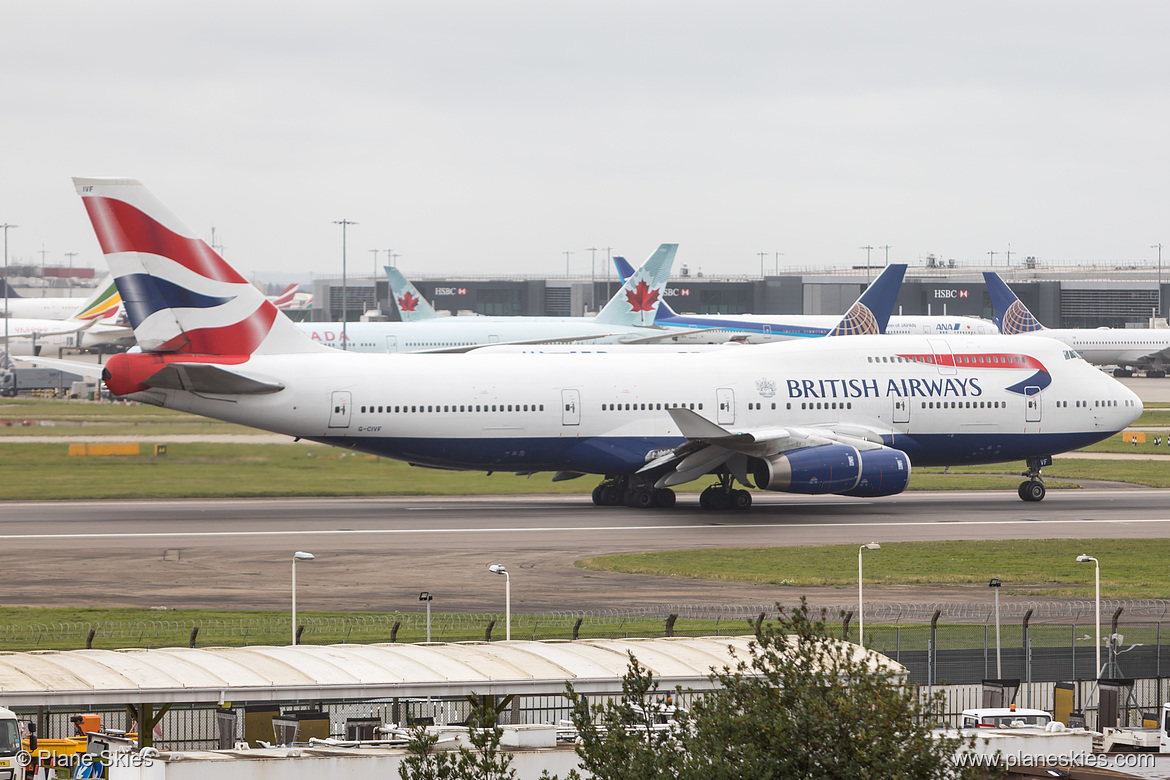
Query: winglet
{"x":412,"y":307}
{"x":1011,"y":315}
{"x":637,"y":302}
{"x":870,"y":313}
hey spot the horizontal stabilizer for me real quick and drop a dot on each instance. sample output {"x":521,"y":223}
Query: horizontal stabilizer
{"x":206,"y":378}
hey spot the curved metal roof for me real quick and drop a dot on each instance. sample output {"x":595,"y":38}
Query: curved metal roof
{"x":261,"y":673}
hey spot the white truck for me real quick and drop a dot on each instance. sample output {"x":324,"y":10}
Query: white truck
{"x":1004,"y":718}
{"x":11,"y":767}
{"x":1147,"y":740}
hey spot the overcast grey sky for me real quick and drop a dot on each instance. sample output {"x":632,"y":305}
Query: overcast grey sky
{"x":475,"y":136}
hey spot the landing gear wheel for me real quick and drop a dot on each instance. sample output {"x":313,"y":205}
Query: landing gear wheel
{"x":741,"y":499}
{"x":643,"y":498}
{"x":599,"y":495}
{"x":664,"y":498}
{"x":610,"y":495}
{"x":1033,"y":490}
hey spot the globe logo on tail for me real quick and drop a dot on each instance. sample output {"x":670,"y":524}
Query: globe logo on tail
{"x":858,"y":322}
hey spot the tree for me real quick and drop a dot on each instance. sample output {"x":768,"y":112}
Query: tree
{"x":482,"y":761}
{"x":627,"y":739}
{"x":801,"y":705}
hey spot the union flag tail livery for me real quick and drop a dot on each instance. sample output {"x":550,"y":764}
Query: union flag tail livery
{"x":286,"y":297}
{"x":180,"y":296}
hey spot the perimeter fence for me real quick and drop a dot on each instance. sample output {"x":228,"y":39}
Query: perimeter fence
{"x":944,"y":643}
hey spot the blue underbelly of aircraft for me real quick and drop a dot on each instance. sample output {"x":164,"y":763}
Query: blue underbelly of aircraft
{"x":626,"y":454}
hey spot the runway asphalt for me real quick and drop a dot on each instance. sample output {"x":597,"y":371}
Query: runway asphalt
{"x":379,"y":553}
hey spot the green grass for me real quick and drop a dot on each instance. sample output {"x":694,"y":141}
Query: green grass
{"x":68,"y":628}
{"x":240,"y":470}
{"x":1133,"y":568}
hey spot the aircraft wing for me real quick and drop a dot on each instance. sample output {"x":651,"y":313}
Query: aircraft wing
{"x":89,"y":370}
{"x":209,"y":378}
{"x":672,"y":333}
{"x":74,"y":328}
{"x":521,"y":343}
{"x":710,"y":446}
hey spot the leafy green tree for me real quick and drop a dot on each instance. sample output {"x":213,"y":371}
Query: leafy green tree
{"x":627,"y":738}
{"x":802,"y":704}
{"x":482,"y":761}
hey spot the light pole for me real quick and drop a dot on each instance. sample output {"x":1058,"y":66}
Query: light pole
{"x":498,"y":568}
{"x":762,"y":256}
{"x":297,"y":556}
{"x":1159,"y":248}
{"x":344,"y":287}
{"x":1097,"y":565}
{"x":867,"y":249}
{"x":427,"y":597}
{"x":592,"y":277}
{"x":860,"y":605}
{"x":6,"y":228}
{"x":994,"y":585}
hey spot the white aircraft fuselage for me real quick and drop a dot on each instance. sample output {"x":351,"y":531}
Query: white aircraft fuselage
{"x":455,"y":332}
{"x":941,"y":401}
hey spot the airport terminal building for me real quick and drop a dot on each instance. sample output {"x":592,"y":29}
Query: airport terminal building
{"x":1061,"y":296}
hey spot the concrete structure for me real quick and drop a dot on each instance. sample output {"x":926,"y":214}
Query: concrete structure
{"x":1061,"y":296}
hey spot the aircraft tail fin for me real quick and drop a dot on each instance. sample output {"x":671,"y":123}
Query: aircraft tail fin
{"x":1011,"y":315}
{"x":181,"y":297}
{"x":286,"y":296}
{"x":103,"y":304}
{"x":870,"y":313}
{"x":637,"y":302}
{"x":625,"y":271}
{"x":412,"y":307}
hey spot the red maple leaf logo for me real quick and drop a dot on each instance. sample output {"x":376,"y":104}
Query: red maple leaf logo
{"x":408,"y":302}
{"x":640,"y":298}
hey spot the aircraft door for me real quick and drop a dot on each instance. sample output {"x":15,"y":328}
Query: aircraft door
{"x":766,"y":331}
{"x":944,"y":359}
{"x":725,"y":405}
{"x":339,"y":417}
{"x":570,"y":407}
{"x":901,"y":410}
{"x":493,"y":339}
{"x":391,"y":343}
{"x":1032,"y":404}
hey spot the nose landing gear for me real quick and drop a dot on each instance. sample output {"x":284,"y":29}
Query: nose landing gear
{"x":1033,"y":489}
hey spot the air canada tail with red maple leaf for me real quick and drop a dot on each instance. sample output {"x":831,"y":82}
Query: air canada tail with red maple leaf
{"x":637,"y":302}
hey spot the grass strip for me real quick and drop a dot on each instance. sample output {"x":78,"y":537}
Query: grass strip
{"x":1131,"y":568}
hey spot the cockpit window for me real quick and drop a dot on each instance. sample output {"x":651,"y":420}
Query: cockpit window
{"x":1072,"y":354}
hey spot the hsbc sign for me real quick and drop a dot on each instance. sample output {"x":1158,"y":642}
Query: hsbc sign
{"x":675,"y":292}
{"x":450,"y":291}
{"x":951,"y":293}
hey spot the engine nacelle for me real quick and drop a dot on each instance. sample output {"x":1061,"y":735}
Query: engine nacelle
{"x":884,"y":472}
{"x":834,"y":468}
{"x":828,"y":468}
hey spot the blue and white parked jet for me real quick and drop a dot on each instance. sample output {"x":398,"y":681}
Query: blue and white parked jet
{"x":764,"y":328}
{"x":628,"y":318}
{"x":1145,"y":349}
{"x":845,"y":415}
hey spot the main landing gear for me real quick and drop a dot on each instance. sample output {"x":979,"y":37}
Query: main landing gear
{"x":637,"y":493}
{"x":725,"y":495}
{"x":1033,"y":489}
